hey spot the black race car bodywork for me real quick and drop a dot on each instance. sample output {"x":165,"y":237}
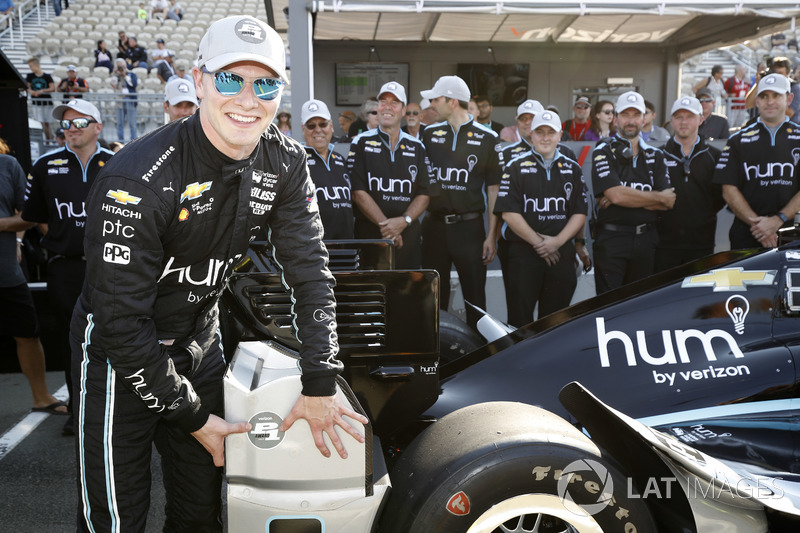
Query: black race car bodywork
{"x":705,"y":353}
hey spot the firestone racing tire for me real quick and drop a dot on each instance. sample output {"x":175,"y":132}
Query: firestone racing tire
{"x":456,"y":338}
{"x":508,"y":467}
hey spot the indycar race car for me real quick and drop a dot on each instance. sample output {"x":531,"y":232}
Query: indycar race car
{"x":669,"y":405}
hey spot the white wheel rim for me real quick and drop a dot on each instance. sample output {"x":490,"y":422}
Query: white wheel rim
{"x":531,"y":504}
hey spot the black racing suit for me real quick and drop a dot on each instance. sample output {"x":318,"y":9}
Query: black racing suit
{"x":168,"y":219}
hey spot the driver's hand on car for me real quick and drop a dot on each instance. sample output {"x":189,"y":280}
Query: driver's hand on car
{"x":323,"y":414}
{"x":212,"y":436}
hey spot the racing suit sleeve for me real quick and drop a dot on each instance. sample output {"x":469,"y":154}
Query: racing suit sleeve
{"x":727,"y":169}
{"x":123,"y":268}
{"x":605,"y":173}
{"x":295,"y":232}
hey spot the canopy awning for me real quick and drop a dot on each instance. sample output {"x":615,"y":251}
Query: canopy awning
{"x":684,"y":25}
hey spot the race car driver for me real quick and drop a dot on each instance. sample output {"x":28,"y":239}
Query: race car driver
{"x":542,"y":201}
{"x":328,"y":171}
{"x":631,"y":183}
{"x":391,"y":180}
{"x":465,"y":160}
{"x":167,"y":221}
{"x":757,"y":169}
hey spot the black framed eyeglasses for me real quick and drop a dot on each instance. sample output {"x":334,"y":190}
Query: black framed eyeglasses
{"x":230,"y":84}
{"x":372,"y":112}
{"x":79,"y":123}
{"x":409,"y":113}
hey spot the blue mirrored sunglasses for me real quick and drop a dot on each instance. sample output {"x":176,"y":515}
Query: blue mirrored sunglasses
{"x":230,"y":84}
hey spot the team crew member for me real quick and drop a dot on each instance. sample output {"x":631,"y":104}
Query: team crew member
{"x":466,"y":162}
{"x":328,"y":171}
{"x":168,"y":219}
{"x":526,"y":112}
{"x":390,"y":177}
{"x":58,"y":185}
{"x":686,"y":232}
{"x":542,"y":200}
{"x":180,"y":99}
{"x":757,"y":169}
{"x":631,"y":184}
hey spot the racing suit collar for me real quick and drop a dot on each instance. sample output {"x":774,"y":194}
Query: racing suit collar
{"x":211,"y":157}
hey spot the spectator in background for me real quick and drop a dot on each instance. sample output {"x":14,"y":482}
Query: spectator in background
{"x":414,"y":125}
{"x":779,"y":65}
{"x":122,"y":45}
{"x":159,"y":8}
{"x":124,"y":83}
{"x":284,"y":122}
{"x":72,"y":86}
{"x":737,"y":86}
{"x":57,"y":7}
{"x":161,"y":53}
{"x":713,"y":126}
{"x":484,"y":116}
{"x":651,"y":132}
{"x":777,"y":41}
{"x":472,"y":107}
{"x":429,"y":114}
{"x":175,"y":11}
{"x":714,"y":84}
{"x":40,"y":87}
{"x":135,"y":55}
{"x":141,"y":13}
{"x":575,"y":128}
{"x":102,"y":57}
{"x":164,"y":70}
{"x":328,"y":171}
{"x":346,"y":119}
{"x":180,"y":72}
{"x":368,"y":118}
{"x":17,"y":312}
{"x":6,"y":7}
{"x":602,"y":121}
{"x":61,"y":140}
{"x":522,"y":129}
{"x":180,"y":99}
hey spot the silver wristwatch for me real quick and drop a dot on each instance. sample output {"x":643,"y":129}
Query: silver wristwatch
{"x":408,"y":219}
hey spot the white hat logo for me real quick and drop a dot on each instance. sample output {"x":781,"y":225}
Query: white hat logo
{"x":313,"y":107}
{"x":527,"y":105}
{"x":771,"y":81}
{"x":547,"y":116}
{"x":183,"y":88}
{"x":249,"y":31}
{"x":392,"y":87}
{"x":685,"y":101}
{"x":631,"y":97}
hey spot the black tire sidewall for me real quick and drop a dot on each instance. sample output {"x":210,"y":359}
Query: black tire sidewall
{"x":456,"y":338}
{"x":508,"y":472}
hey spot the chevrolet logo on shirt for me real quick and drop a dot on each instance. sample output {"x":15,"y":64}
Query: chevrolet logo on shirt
{"x":526,"y":164}
{"x":58,"y":162}
{"x":373,"y":143}
{"x":195,"y":190}
{"x":730,"y":279}
{"x":122,"y":197}
{"x":439,"y":133}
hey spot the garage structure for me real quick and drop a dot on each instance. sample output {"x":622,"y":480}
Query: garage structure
{"x":599,"y":47}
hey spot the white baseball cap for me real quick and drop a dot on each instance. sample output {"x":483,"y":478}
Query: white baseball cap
{"x":79,"y":105}
{"x":314,"y":108}
{"x":777,"y":83}
{"x":180,"y":90}
{"x":242,"y":38}
{"x":394,"y":88}
{"x":532,"y":107}
{"x":689,"y":103}
{"x":547,"y":118}
{"x":424,"y":104}
{"x":450,"y":87}
{"x":630,"y":99}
